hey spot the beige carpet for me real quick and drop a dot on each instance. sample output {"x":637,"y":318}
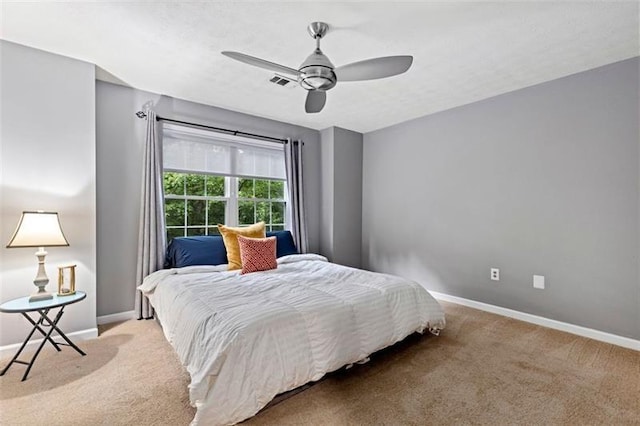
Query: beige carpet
{"x":483,"y":369}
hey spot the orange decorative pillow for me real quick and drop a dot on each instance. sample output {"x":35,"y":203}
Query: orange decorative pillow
{"x":230,"y":238}
{"x":258,"y":254}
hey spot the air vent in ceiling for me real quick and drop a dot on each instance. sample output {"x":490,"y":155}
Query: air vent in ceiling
{"x":283,"y":81}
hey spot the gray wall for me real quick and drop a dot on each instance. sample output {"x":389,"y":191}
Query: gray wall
{"x":341,"y":199}
{"x":347,"y":228}
{"x":544,"y":180}
{"x":47,"y":162}
{"x":326,"y":195}
{"x":120,"y":138}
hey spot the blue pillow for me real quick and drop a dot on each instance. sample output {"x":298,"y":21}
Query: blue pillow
{"x":284,"y":243}
{"x":210,"y":249}
{"x":197,"y":250}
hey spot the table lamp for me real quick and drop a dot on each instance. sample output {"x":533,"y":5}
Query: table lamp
{"x":39,"y":229}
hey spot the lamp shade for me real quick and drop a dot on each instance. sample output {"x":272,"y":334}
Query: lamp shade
{"x":38,"y":229}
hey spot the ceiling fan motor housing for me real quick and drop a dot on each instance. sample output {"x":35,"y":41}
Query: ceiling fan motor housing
{"x":316,"y":72}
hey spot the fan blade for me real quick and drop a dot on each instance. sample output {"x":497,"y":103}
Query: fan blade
{"x":257,"y":62}
{"x":315,"y":101}
{"x":371,"y":69}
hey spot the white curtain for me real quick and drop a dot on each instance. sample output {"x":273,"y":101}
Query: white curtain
{"x":293,"y":164}
{"x":204,"y":151}
{"x":151,"y":234}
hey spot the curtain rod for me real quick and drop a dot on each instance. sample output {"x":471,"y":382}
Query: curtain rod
{"x":142,"y":114}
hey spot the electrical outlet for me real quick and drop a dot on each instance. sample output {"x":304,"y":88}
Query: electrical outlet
{"x":538,"y":282}
{"x":495,"y":274}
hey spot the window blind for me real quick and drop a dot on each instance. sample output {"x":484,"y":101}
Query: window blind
{"x":193,"y":150}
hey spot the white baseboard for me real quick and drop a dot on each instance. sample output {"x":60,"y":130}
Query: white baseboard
{"x":614,"y":339}
{"x":10,"y":350}
{"x":121,"y":316}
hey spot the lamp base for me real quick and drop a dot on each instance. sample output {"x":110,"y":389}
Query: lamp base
{"x":36,"y":297}
{"x":41,"y":280}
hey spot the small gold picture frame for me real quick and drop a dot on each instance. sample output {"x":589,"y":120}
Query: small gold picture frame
{"x":66,"y":280}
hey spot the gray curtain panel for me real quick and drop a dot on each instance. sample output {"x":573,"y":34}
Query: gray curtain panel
{"x":151,"y":234}
{"x":293,"y":162}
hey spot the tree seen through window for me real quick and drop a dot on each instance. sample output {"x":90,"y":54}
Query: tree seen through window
{"x":196,"y":203}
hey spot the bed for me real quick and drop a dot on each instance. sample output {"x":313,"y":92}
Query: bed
{"x":246,"y":338}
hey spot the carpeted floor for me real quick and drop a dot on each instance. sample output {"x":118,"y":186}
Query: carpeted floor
{"x":483,"y":369}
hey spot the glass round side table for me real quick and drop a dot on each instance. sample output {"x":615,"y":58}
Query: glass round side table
{"x":42,"y":308}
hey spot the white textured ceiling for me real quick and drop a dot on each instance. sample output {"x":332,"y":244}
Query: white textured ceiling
{"x":463,"y":52}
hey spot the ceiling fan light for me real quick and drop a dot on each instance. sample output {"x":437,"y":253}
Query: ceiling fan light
{"x":315,"y":83}
{"x":317,"y":78}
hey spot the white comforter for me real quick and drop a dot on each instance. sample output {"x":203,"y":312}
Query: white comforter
{"x":246,"y":338}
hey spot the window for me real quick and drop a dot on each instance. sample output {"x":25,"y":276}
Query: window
{"x":211,"y":179}
{"x":194,"y":203}
{"x":261,"y":200}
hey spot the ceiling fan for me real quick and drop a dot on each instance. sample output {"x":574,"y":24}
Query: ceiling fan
{"x":317,"y":74}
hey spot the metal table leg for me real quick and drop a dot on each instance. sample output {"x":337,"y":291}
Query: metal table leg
{"x":37,"y":325}
{"x":15,"y":357}
{"x":54,"y":326}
